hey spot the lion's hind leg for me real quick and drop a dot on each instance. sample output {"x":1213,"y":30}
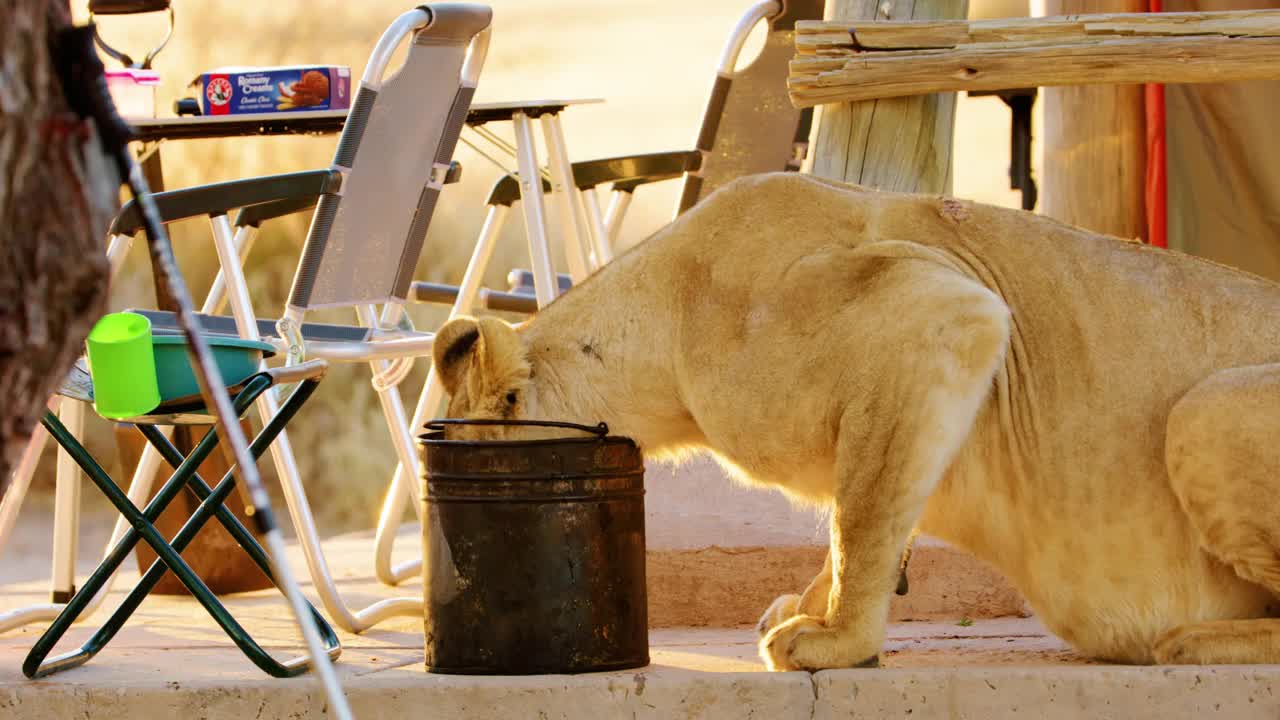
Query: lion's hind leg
{"x":1223,"y":456}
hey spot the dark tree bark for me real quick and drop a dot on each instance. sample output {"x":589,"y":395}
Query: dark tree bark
{"x":56,"y":197}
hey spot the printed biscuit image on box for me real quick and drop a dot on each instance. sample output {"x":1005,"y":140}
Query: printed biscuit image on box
{"x":247,"y":90}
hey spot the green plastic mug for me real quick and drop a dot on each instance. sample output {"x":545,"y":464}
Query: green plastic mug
{"x":122,"y":366}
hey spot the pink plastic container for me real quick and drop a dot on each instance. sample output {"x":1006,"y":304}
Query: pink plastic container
{"x":133,"y":91}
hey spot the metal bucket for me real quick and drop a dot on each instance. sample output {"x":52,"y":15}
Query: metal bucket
{"x":533,"y":553}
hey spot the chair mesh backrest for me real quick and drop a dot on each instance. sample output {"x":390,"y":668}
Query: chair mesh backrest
{"x":750,"y":125}
{"x":364,"y":241}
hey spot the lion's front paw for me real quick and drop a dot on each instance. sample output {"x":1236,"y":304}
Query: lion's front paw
{"x":806,"y":643}
{"x":782,"y":609}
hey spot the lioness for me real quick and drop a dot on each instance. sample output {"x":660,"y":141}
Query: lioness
{"x":1096,"y":418}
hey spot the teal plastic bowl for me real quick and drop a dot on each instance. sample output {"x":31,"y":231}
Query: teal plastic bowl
{"x":236,"y":359}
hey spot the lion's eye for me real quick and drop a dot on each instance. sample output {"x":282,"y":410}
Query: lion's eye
{"x":512,"y":398}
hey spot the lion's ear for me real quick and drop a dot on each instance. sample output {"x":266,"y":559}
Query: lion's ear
{"x":453,"y":347}
{"x":501,"y":352}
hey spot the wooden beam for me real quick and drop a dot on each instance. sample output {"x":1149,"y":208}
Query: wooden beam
{"x":843,"y":38}
{"x":870,"y":75}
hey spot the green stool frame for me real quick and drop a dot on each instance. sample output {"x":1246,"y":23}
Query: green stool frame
{"x":182,"y":411}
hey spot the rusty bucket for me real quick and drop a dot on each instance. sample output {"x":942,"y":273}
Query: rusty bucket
{"x":533,"y":553}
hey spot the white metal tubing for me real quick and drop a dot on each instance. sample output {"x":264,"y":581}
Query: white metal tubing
{"x":20,"y":482}
{"x":402,"y":488}
{"x":66,"y":507}
{"x":367,"y":351}
{"x":577,"y":235}
{"x":387,"y":44}
{"x":599,"y":235}
{"x":476,"y":53}
{"x":535,"y":220}
{"x":287,"y":468}
{"x":9,"y":507}
{"x":244,"y":237}
{"x":392,"y":312}
{"x":304,"y":525}
{"x":392,"y":404}
{"x":618,"y":206}
{"x":738,"y":36}
{"x":117,"y":250}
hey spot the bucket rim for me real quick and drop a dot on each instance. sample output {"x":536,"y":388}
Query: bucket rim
{"x":436,"y":437}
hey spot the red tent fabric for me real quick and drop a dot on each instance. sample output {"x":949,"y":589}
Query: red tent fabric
{"x":1157,"y":180}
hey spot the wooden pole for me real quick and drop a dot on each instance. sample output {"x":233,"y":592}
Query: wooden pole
{"x":1094,"y":168}
{"x":900,"y":144}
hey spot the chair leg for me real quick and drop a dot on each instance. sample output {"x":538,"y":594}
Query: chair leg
{"x":402,"y":489}
{"x":392,"y":405}
{"x":20,"y":483}
{"x":599,"y":235}
{"x":309,"y":538}
{"x":619,"y":202}
{"x":9,"y":507}
{"x":287,"y":467}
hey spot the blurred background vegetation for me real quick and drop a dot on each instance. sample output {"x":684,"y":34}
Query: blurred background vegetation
{"x":651,"y":60}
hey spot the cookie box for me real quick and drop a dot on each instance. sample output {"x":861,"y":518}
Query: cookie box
{"x":257,"y":90}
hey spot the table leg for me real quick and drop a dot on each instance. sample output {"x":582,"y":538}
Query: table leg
{"x":577,"y":232}
{"x":535,"y":219}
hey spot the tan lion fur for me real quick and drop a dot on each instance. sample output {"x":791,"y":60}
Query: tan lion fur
{"x":1096,"y":418}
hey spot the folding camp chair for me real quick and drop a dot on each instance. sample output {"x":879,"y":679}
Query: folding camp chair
{"x":749,"y":126}
{"x":188,"y":411}
{"x":372,"y":210}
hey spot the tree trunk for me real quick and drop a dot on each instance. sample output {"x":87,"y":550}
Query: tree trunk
{"x":56,"y":198}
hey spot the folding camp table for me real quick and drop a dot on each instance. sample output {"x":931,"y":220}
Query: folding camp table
{"x":153,"y":131}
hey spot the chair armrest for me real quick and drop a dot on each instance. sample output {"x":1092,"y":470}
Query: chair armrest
{"x":425,"y":292}
{"x":286,"y":374}
{"x":626,"y":173}
{"x":218,"y":198}
{"x":255,"y":215}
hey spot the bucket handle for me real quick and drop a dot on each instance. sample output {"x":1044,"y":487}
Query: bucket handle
{"x":439,"y":424}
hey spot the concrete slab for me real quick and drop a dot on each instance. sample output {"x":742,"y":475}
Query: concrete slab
{"x":170,"y":661}
{"x":696,"y":577}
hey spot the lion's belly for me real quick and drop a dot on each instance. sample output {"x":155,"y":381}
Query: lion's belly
{"x":1116,"y":606}
{"x":1107,"y":561}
